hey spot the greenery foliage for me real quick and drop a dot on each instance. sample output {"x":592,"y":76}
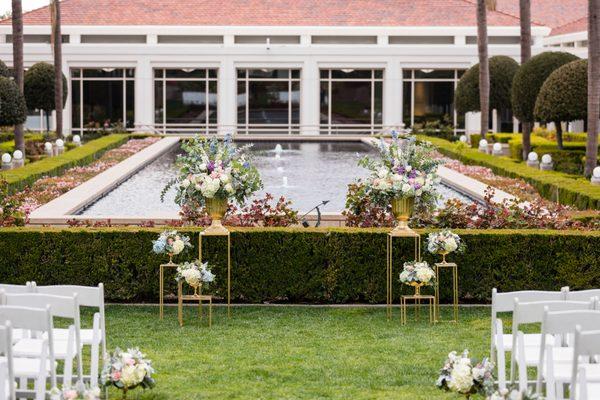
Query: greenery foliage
{"x":39,"y":87}
{"x":563,"y":96}
{"x":13,"y":110}
{"x":529,"y":80}
{"x":572,"y":190}
{"x":20,"y":177}
{"x":4,"y":71}
{"x":297,"y":265}
{"x":502,"y":72}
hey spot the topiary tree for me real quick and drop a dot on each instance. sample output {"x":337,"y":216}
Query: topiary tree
{"x":529,"y":80}
{"x":563,"y":96}
{"x":39,"y":89}
{"x":13,"y":110}
{"x":4,"y":71}
{"x":502,"y":72}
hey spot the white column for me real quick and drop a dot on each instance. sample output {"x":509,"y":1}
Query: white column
{"x":392,"y":95}
{"x":144,"y":95}
{"x":310,"y":98}
{"x":227,"y":98}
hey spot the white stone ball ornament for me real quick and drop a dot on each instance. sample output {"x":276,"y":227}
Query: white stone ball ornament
{"x":6,"y":158}
{"x":532,"y":156}
{"x":483,"y":143}
{"x":60,"y":143}
{"x":547,"y":159}
{"x":18,"y":155}
{"x":497,"y":147}
{"x":463,"y":138}
{"x":596,"y":172}
{"x":48,"y":146}
{"x":76,"y":139}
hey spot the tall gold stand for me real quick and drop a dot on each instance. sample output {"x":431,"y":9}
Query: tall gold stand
{"x":161,"y":285}
{"x":438,"y":267}
{"x":192,"y":297}
{"x":220,"y":233}
{"x":397,"y":233}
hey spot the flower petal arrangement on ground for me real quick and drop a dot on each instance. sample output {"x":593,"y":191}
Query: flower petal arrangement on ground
{"x":462,"y":375}
{"x":126,"y":370}
{"x":81,"y":393}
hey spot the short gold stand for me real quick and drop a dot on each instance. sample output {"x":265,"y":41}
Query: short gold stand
{"x":220,"y":233}
{"x":438,"y":267}
{"x":161,"y":285}
{"x":397,"y":233}
{"x":192,"y":297}
{"x":417,"y":299}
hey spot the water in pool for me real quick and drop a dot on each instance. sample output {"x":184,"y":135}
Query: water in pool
{"x":304,"y":172}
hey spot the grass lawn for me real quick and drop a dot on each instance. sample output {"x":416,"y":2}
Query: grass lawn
{"x":294,"y":352}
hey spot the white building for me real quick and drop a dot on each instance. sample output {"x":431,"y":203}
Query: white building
{"x":298,"y":66}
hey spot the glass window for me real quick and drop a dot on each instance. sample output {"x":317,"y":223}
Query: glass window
{"x":406,"y":101}
{"x":434,"y":74}
{"x":434,"y":101}
{"x":102,"y":103}
{"x":103,"y":73}
{"x":351,"y":74}
{"x":76,"y":109}
{"x":186,"y":73}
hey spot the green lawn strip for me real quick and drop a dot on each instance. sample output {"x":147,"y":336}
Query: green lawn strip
{"x":572,"y":189}
{"x":295,"y":352}
{"x":20,"y":177}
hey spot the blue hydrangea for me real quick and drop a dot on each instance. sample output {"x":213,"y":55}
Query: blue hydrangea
{"x":158,"y":246}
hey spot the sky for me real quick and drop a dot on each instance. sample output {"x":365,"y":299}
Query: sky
{"x":5,"y":5}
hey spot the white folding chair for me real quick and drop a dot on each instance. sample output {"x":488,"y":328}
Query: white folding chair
{"x":42,"y":364}
{"x":586,"y":344}
{"x":66,"y":350}
{"x":554,"y":365}
{"x":582,"y":295}
{"x":501,"y":342}
{"x":88,"y":296}
{"x":7,"y":373}
{"x":527,"y":355}
{"x":17,"y":334}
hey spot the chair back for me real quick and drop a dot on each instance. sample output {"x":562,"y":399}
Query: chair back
{"x":9,"y":288}
{"x":531,"y":312}
{"x":586,"y":344}
{"x":88,"y":296}
{"x":583,"y":295}
{"x":61,"y":306}
{"x":564,"y":322}
{"x":504,"y":302}
{"x":7,"y":368}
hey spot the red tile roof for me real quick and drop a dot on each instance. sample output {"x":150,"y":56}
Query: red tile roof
{"x":580,"y":25}
{"x":270,"y":13}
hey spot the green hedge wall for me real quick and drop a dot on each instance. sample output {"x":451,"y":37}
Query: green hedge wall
{"x":572,"y":189}
{"x":298,"y":265}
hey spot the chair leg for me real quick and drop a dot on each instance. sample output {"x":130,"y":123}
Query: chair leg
{"x":94,"y":364}
{"x":501,"y":356}
{"x":23,"y":385}
{"x":68,"y":372}
{"x":40,"y":389}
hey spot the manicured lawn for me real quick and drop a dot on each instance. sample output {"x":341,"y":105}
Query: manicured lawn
{"x":286,"y":352}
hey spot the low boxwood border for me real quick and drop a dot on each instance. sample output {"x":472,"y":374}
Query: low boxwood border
{"x":20,"y":177}
{"x":571,"y":189}
{"x":328,"y":265}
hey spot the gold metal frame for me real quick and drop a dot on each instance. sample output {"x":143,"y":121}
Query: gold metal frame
{"x":207,"y":233}
{"x":438,"y":267}
{"x":390,"y":267}
{"x":199,"y":297}
{"x":417,"y":299}
{"x":161,"y":286}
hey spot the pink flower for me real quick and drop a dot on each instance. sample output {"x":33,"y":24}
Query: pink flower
{"x":116,"y":376}
{"x":70,"y":394}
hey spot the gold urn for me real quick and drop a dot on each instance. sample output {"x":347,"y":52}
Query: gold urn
{"x":402,"y":209}
{"x":216,"y":209}
{"x":417,"y":286}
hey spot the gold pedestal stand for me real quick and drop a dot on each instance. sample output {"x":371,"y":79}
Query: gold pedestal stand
{"x":224,"y":232}
{"x":417,"y":299}
{"x":438,"y":267}
{"x":199,"y":297}
{"x":161,"y":285}
{"x":398,"y":233}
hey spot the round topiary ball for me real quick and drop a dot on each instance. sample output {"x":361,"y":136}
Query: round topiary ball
{"x":502,"y":72}
{"x":563,"y":96}
{"x":39,"y":87}
{"x":13,"y":110}
{"x":4,"y":71}
{"x":529,"y":80}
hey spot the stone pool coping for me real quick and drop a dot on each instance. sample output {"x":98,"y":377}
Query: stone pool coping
{"x":62,"y":209}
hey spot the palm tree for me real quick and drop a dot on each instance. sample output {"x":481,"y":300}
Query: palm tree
{"x":484,"y":68}
{"x":57,"y":50}
{"x":593,"y":107}
{"x":17,"y":35}
{"x":525,"y":19}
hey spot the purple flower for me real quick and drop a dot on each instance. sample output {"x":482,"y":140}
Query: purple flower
{"x":210,"y":166}
{"x":401,"y":170}
{"x":412,"y":174}
{"x":417,"y":186}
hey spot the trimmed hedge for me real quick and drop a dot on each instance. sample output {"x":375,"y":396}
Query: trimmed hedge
{"x":572,"y":190}
{"x":20,"y":177}
{"x":336,"y":265}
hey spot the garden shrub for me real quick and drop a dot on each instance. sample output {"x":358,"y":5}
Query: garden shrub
{"x":20,"y":177}
{"x":493,"y":138}
{"x":502,"y":72}
{"x":4,"y":71}
{"x":337,"y":265}
{"x":572,"y":190}
{"x":39,"y":87}
{"x":13,"y":110}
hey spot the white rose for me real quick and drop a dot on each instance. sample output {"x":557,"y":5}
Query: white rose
{"x":406,"y":188}
{"x":228,"y":188}
{"x":423,"y":274}
{"x":198,"y":186}
{"x":450,"y":245}
{"x":129,"y":377}
{"x":225,"y":178}
{"x":461,"y":379}
{"x":202,"y":167}
{"x":403,"y":276}
{"x":382,"y":173}
{"x":185,"y":183}
{"x":178,"y":246}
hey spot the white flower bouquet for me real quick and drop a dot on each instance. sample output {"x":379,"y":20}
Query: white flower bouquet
{"x":444,"y":242}
{"x":417,"y":273}
{"x":195,"y":274}
{"x":127,"y":370}
{"x":406,"y":169}
{"x":78,"y":393}
{"x":214,"y":169}
{"x":462,"y":375}
{"x":170,"y":242}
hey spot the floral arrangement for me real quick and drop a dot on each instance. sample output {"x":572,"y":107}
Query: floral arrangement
{"x":79,"y":393}
{"x":126,"y":370}
{"x":462,"y":375}
{"x":406,"y":169}
{"x":194,"y":273}
{"x":170,"y":242}
{"x":444,"y":242}
{"x":417,"y":273}
{"x":214,"y":169}
{"x":514,"y":394}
